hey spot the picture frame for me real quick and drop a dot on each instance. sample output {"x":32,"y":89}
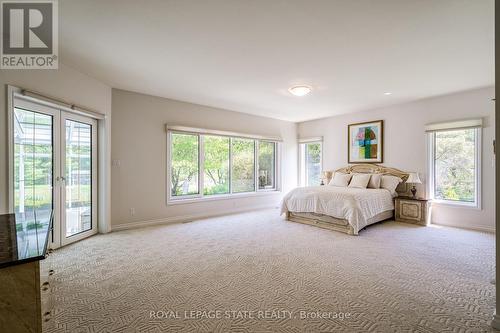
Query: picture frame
{"x":365,"y":142}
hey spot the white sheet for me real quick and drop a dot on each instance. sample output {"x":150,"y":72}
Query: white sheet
{"x":352,"y":204}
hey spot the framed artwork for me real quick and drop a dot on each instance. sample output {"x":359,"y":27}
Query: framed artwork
{"x":366,"y":142}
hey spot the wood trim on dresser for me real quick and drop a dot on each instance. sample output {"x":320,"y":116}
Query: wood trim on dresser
{"x":410,"y":210}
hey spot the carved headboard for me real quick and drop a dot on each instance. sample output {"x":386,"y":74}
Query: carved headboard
{"x":372,"y":168}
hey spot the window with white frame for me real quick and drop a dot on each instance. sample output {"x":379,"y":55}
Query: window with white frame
{"x":310,"y":162}
{"x":203,"y":165}
{"x":454,"y":165}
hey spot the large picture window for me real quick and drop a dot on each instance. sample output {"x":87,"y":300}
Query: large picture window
{"x":455,"y":166}
{"x":209,"y":165}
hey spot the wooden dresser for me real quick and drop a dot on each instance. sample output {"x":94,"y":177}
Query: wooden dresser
{"x":412,"y":210}
{"x":25,"y":286}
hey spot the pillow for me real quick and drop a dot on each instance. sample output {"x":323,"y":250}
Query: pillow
{"x":360,"y":180}
{"x":390,"y":183}
{"x":375,"y":180}
{"x":340,"y":179}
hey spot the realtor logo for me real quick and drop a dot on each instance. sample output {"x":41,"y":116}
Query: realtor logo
{"x":29,"y":35}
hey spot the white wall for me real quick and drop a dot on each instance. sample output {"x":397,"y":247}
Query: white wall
{"x":139,"y":144}
{"x":69,"y":85}
{"x":405,"y":144}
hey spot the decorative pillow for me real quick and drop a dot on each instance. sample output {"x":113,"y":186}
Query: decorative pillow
{"x":375,"y":180}
{"x":360,"y":180}
{"x":390,"y":183}
{"x":340,"y":179}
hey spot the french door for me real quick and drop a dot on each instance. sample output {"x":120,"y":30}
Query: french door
{"x":78,"y":177}
{"x":55,"y":171}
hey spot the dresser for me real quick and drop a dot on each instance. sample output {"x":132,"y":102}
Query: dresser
{"x":412,"y":210}
{"x":26,"y":299}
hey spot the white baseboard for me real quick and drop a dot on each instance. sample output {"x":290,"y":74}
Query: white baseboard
{"x":186,"y":218}
{"x":468,"y":227}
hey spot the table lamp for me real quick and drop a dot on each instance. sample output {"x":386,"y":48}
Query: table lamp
{"x":413,"y":179}
{"x":324,"y":177}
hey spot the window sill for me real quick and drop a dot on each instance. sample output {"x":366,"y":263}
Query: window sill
{"x":457,"y":204}
{"x":261,"y":193}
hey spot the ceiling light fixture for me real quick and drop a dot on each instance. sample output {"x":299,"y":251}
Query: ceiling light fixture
{"x":299,"y":90}
{"x":387,"y":93}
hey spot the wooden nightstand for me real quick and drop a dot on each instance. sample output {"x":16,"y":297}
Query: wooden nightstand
{"x":409,"y":210}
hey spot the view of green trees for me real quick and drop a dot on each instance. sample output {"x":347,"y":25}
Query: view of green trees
{"x":313,"y":163}
{"x":266,"y":164}
{"x":243,"y":172}
{"x":455,"y":165}
{"x":216,"y":164}
{"x":184,"y":172}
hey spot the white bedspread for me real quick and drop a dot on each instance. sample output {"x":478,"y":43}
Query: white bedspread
{"x":352,"y":204}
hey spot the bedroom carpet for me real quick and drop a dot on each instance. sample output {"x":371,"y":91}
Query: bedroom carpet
{"x":255,"y":272}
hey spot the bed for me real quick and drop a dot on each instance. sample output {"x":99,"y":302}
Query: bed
{"x":343,"y":209}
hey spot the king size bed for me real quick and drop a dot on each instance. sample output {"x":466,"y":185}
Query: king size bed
{"x":354,"y":197}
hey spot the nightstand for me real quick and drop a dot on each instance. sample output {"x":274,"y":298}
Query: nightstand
{"x":410,"y":210}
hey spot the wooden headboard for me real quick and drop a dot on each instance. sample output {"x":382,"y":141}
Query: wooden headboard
{"x":372,"y":168}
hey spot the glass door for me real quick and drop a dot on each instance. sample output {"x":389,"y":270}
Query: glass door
{"x":54,"y":172}
{"x":35,"y":163}
{"x":79,"y":177}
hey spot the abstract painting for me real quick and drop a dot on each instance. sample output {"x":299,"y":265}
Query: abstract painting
{"x":366,"y":142}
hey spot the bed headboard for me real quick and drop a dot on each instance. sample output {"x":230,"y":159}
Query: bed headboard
{"x":373,"y":168}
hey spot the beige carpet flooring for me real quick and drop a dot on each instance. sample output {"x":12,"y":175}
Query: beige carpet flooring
{"x":255,"y":272}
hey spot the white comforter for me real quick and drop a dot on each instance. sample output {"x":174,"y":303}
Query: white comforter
{"x":352,"y":204}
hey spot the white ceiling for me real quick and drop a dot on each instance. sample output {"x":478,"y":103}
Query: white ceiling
{"x":242,"y":55}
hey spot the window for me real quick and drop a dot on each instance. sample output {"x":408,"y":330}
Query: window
{"x":243,"y":164}
{"x":267,"y":167}
{"x":210,"y":165}
{"x":310,"y":163}
{"x":185,"y":164}
{"x":216,"y":165}
{"x":455,"y":166}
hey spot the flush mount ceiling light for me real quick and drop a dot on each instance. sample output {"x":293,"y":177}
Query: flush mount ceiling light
{"x":299,"y":90}
{"x":387,"y":93}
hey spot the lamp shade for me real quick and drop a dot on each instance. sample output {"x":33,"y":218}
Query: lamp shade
{"x":413,"y":178}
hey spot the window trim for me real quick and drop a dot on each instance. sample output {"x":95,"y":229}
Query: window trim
{"x":302,"y":158}
{"x":431,"y":148}
{"x":200,"y":196}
